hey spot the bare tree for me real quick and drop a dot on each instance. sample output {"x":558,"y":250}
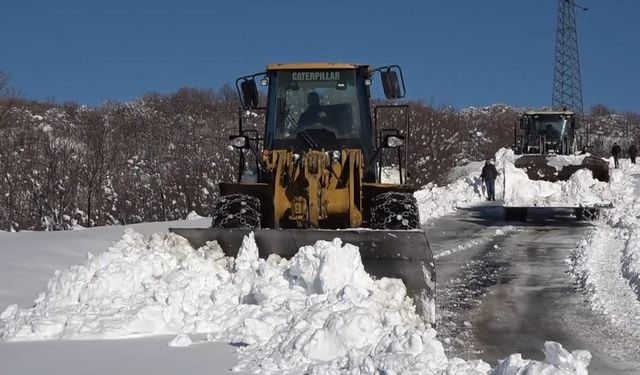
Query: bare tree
{"x":162,"y":156}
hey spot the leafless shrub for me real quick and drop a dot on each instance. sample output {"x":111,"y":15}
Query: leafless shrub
{"x":162,"y":156}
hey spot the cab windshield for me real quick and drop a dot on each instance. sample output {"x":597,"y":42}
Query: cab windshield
{"x":324,"y":100}
{"x":552,"y":127}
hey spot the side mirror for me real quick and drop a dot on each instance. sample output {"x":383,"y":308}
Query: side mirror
{"x":391,"y":84}
{"x":239,"y":141}
{"x":393,"y":141}
{"x":249,"y":91}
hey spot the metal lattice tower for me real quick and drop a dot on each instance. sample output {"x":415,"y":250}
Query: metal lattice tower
{"x":567,"y":84}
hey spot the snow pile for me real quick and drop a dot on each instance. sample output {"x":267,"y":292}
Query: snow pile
{"x":318,"y":309}
{"x":607,"y":262}
{"x":465,"y":189}
{"x":180,"y":341}
{"x":435,"y":201}
{"x":581,"y":190}
{"x":317,"y":313}
{"x":557,"y":361}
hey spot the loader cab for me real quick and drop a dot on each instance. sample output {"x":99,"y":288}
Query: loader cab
{"x":318,"y":109}
{"x":326,"y":106}
{"x":548,"y":133}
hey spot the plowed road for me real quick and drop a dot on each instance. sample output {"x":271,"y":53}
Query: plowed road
{"x":505,"y":288}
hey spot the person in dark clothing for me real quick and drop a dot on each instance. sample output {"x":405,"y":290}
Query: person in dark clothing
{"x":615,"y":152}
{"x":314,"y":113}
{"x":488,"y":176}
{"x":633,"y":152}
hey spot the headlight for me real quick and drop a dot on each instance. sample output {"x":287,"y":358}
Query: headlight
{"x":394,"y":141}
{"x":239,"y":141}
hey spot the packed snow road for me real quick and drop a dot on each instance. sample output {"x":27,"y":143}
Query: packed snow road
{"x":506,"y":288}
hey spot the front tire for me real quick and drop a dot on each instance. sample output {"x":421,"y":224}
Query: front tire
{"x":395,"y":211}
{"x":237,"y":211}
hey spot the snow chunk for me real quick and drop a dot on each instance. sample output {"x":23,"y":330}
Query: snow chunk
{"x":557,"y":361}
{"x":561,"y":161}
{"x":194,"y":216}
{"x":328,"y":267}
{"x":181,"y":340}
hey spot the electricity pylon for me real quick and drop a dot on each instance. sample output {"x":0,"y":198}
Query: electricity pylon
{"x":567,"y":85}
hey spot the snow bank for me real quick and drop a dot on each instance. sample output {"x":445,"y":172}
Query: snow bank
{"x":318,"y":313}
{"x":607,"y":262}
{"x":465,"y":189}
{"x":517,"y":190}
{"x":435,"y":201}
{"x":581,"y":190}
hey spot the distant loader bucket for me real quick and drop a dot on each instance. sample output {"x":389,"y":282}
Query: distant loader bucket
{"x":402,"y":254}
{"x":543,"y":167}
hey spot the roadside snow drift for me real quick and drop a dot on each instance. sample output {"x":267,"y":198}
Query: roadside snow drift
{"x":318,"y":312}
{"x":607,"y":262}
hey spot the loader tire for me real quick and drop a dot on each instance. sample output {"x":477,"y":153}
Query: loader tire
{"x":237,"y":211}
{"x":394,"y":210}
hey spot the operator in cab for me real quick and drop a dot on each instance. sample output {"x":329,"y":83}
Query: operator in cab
{"x":313,"y":114}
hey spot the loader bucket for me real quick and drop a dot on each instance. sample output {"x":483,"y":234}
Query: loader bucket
{"x":543,"y":167}
{"x":402,"y":254}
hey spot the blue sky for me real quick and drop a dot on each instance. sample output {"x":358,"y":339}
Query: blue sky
{"x":462,"y":53}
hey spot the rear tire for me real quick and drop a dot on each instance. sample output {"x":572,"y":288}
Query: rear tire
{"x":515,"y":214}
{"x":237,"y":211}
{"x":395,"y":211}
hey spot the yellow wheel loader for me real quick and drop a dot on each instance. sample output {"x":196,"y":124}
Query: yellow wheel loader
{"x":316,"y":174}
{"x":549,"y":150}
